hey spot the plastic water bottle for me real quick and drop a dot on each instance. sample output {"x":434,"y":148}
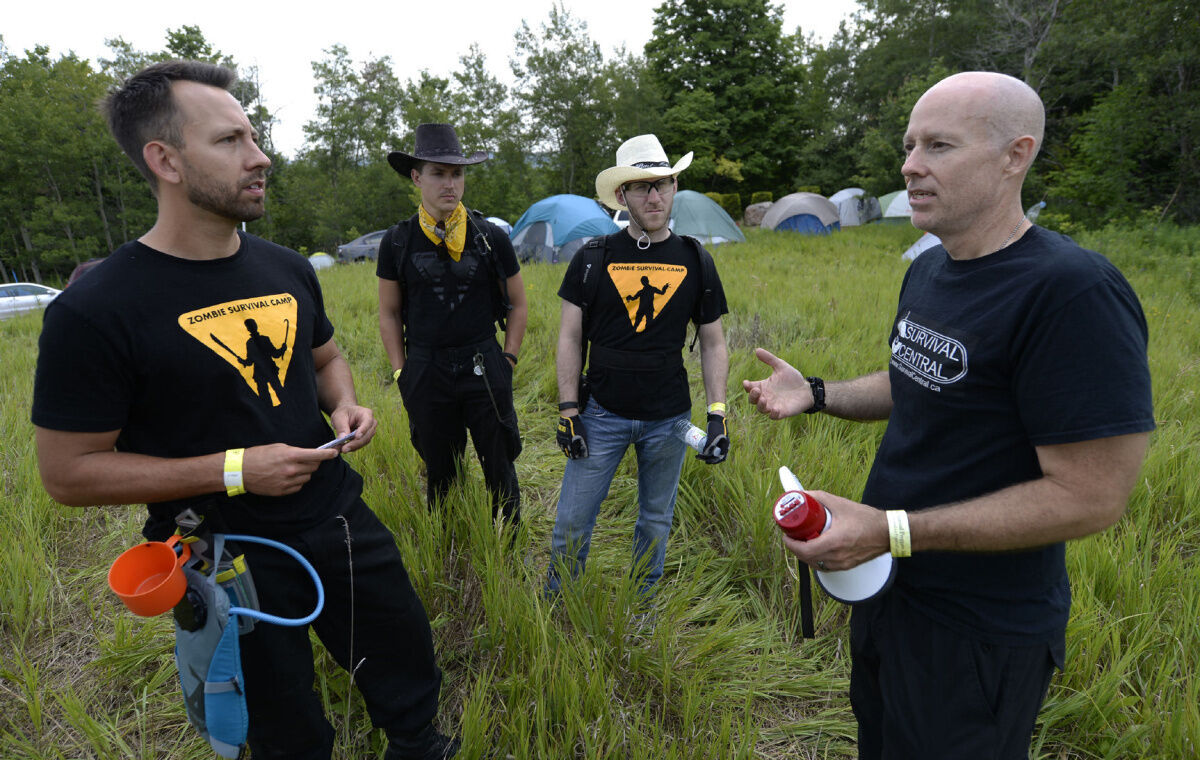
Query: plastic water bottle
{"x":691,"y":435}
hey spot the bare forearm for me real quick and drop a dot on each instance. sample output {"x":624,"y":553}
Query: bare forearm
{"x":392,"y":336}
{"x":568,"y":366}
{"x":868,"y":397}
{"x":335,"y":385}
{"x":515,"y":332}
{"x":714,"y":362}
{"x":113,"y":477}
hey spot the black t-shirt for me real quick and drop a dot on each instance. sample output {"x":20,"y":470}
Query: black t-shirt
{"x":447,"y":302}
{"x":187,"y":358}
{"x":643,"y":305}
{"x":1040,"y":343}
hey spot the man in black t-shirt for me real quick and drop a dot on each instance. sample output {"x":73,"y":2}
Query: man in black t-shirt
{"x":191,"y":372}
{"x":630,"y":299}
{"x":446,"y":277}
{"x":1018,"y":410}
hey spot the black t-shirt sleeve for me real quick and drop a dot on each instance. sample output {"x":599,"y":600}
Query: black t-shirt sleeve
{"x":571,"y":288}
{"x":82,"y":383}
{"x":322,"y":327}
{"x":1083,"y":374}
{"x":503,"y":250}
{"x":711,"y":308}
{"x":385,"y":261}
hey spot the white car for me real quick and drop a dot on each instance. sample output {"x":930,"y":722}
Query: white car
{"x":621,"y":217}
{"x":20,"y":297}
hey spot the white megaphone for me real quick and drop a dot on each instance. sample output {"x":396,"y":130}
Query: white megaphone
{"x":848,"y":586}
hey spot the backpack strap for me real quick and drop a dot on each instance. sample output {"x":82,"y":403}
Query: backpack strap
{"x":708,"y":281}
{"x":501,"y":304}
{"x":595,"y":258}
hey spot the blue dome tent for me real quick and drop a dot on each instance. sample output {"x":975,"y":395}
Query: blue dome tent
{"x":807,"y":213}
{"x":703,"y":218}
{"x":554,"y":228}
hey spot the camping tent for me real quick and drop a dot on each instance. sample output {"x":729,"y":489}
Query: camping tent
{"x":809,"y":213}
{"x":501,"y":224}
{"x":321,"y":261}
{"x":895,"y":207}
{"x":703,"y":218}
{"x":924,"y":243}
{"x":855,"y":207}
{"x":554,"y":228}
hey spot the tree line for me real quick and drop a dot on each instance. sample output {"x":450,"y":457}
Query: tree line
{"x":764,"y":109}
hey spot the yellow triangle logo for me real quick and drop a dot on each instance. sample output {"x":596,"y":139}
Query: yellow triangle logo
{"x":645,"y":289}
{"x":255,"y":335}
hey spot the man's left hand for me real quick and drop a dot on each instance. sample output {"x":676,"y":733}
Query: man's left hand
{"x":353,"y":417}
{"x":716,"y":448}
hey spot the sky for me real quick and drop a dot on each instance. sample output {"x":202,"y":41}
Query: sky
{"x":283,"y":40}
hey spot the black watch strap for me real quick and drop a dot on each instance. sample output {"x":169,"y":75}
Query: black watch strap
{"x":818,"y":391}
{"x":507,"y":355}
{"x":565,"y":405}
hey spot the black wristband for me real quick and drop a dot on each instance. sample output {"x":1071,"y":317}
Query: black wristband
{"x":507,"y":355}
{"x":565,"y":405}
{"x":818,"y":392}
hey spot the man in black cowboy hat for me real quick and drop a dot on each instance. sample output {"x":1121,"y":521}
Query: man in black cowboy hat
{"x":650,"y":284}
{"x":446,"y":278}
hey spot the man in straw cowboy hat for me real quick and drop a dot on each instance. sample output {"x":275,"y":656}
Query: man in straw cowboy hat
{"x":447,"y":276}
{"x":141,"y":397}
{"x":630,"y":296}
{"x":1003,"y":439}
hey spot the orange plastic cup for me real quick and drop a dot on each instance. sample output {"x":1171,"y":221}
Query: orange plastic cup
{"x":149,"y":577}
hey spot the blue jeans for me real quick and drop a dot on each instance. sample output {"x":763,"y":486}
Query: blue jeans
{"x":586,"y":483}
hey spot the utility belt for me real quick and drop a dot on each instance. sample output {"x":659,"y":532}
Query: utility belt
{"x":602,"y":357}
{"x":453,"y":353}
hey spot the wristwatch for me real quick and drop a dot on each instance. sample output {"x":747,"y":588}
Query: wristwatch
{"x":818,"y":392}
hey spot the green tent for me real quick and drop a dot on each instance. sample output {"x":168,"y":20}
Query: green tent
{"x":703,"y":218}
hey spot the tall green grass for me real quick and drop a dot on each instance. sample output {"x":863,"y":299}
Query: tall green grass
{"x":723,"y":674}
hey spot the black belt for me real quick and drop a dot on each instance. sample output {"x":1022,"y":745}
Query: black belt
{"x":603,"y":357}
{"x":454,"y":353}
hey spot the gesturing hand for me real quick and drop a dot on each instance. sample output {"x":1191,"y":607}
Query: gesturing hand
{"x":784,"y":393}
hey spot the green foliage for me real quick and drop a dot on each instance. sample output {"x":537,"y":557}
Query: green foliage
{"x":729,"y":75}
{"x":762,"y":196}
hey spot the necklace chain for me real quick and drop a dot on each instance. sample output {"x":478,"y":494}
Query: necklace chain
{"x":1008,"y":239}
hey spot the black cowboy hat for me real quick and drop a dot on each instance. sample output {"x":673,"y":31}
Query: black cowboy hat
{"x":436,"y":143}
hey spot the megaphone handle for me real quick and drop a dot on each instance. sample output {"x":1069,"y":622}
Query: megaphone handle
{"x":806,"y":610}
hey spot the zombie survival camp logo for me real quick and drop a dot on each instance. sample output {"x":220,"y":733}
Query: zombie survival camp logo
{"x":255,"y":335}
{"x":646,"y":289}
{"x":926,"y":356}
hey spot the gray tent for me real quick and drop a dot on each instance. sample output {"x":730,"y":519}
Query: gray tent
{"x":809,"y":213}
{"x":855,"y":207}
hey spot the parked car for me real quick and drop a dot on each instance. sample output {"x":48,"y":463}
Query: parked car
{"x":365,"y":248}
{"x":621,"y":217}
{"x":20,"y":297}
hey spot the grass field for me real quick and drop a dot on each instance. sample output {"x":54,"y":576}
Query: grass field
{"x":724,"y":674}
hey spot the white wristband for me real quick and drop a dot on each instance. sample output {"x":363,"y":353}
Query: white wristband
{"x":898,"y":533}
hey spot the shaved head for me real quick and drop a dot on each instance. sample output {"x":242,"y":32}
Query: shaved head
{"x":1008,"y":107}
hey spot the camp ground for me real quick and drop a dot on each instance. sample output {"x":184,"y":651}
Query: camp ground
{"x":554,"y":228}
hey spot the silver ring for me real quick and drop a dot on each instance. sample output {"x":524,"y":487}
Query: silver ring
{"x":821,"y":564}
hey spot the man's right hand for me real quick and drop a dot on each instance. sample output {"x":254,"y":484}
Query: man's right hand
{"x":571,"y":437}
{"x":784,"y":393}
{"x":278,"y":469}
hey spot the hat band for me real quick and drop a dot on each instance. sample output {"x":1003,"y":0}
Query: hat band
{"x":650,"y":164}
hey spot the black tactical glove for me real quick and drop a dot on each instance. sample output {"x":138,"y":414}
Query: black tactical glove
{"x":571,"y":437}
{"x":716,"y":448}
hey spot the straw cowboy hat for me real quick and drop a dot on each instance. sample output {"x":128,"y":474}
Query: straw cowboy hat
{"x":435,"y":143}
{"x":638,"y":158}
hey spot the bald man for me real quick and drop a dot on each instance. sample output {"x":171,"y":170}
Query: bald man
{"x":1017,"y":400}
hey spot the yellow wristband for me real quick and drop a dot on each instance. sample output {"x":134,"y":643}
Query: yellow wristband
{"x":234,"y":486}
{"x":716,"y":406}
{"x":396,"y":374}
{"x":898,"y":533}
